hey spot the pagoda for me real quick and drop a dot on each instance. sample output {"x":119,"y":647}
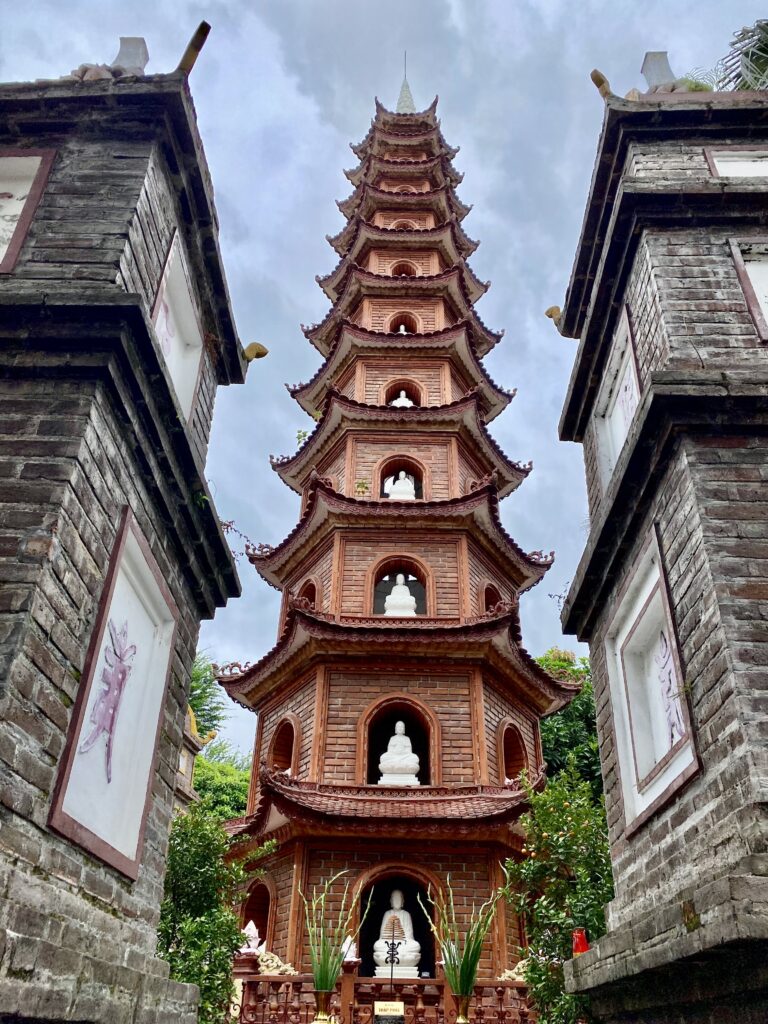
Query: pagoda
{"x":398,"y":707}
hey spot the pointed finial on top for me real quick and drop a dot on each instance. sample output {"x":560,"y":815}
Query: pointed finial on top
{"x":405,"y":104}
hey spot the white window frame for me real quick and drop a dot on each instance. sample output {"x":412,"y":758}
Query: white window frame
{"x":23,"y":175}
{"x":651,"y":766}
{"x":610,"y":431}
{"x":739,"y":162}
{"x":175,"y":313}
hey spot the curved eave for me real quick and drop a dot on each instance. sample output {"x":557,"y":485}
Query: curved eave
{"x":446,"y":238}
{"x":455,"y":340}
{"x":378,"y":139}
{"x":310,"y":637}
{"x":344,"y":242}
{"x":421,"y":120}
{"x":437,"y":169}
{"x":360,"y":284}
{"x":341,"y":412}
{"x":333,"y":284}
{"x":478,"y":803}
{"x":327,"y":510}
{"x":381,"y":198}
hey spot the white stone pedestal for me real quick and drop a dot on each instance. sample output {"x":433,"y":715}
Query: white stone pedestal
{"x":397,"y":971}
{"x":398,"y":780}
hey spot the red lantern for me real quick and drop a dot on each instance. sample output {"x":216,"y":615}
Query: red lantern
{"x":580,"y":943}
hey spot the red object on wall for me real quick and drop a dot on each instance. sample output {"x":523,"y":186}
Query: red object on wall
{"x":580,"y":941}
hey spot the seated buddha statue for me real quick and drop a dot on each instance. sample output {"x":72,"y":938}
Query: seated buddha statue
{"x":400,"y":601}
{"x":396,"y":927}
{"x":402,"y":401}
{"x":402,"y":488}
{"x":399,"y":765}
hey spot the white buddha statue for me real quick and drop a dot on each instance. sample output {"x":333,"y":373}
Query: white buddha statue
{"x":402,"y":401}
{"x":401,"y":488}
{"x":400,"y":602}
{"x":396,"y":926}
{"x":399,"y":765}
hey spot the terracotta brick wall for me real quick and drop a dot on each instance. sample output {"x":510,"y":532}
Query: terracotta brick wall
{"x":381,"y":261}
{"x":435,"y":456}
{"x":446,"y":695}
{"x":377,"y":373}
{"x":497,"y":708}
{"x":471,"y":868}
{"x":421,"y":218}
{"x":430,"y":312}
{"x":364,"y":548}
{"x":300,"y":702}
{"x":481,"y":572}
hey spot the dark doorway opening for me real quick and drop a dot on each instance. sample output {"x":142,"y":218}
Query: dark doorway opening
{"x":379,"y":895}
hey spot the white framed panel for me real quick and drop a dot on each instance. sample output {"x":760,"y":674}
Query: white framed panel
{"x":177,"y":326}
{"x":104,"y":788}
{"x":617,"y":399}
{"x":738,"y":162}
{"x":654,"y":741}
{"x":23,"y":174}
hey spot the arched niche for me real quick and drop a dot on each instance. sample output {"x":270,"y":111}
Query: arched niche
{"x":491,"y":597}
{"x":383,"y":577}
{"x":389,"y":470}
{"x":390,"y":392}
{"x":513,"y":757}
{"x":259,"y":907}
{"x":376,"y":887}
{"x":405,"y":225}
{"x":403,"y":323}
{"x":405,"y":190}
{"x":283,"y":751}
{"x":404,"y":268}
{"x":377,"y":725}
{"x":311,"y":590}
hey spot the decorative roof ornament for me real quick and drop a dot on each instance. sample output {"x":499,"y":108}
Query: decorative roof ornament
{"x":405,"y":104}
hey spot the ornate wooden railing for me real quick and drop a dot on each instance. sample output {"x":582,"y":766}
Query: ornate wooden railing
{"x":281,"y":999}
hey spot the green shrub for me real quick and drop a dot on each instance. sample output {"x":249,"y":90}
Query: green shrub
{"x":199,"y":931}
{"x":563,"y":882}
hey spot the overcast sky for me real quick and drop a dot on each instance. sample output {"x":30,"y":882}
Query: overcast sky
{"x":281,"y":89}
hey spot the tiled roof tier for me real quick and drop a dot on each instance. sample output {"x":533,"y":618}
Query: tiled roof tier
{"x":414,"y":811}
{"x":342,"y":414}
{"x":359,"y":284}
{"x":493,"y":640}
{"x":421,"y":121}
{"x":438,"y":170}
{"x":333,"y":284}
{"x":456,"y":342}
{"x":327,"y":511}
{"x":366,"y":199}
{"x":379,"y":139}
{"x":356,"y":229}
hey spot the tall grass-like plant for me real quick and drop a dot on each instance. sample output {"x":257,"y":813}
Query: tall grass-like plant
{"x":460,"y":947}
{"x":326,"y":938}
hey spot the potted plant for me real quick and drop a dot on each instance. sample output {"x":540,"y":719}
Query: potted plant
{"x":460,"y":958}
{"x":328,"y":940}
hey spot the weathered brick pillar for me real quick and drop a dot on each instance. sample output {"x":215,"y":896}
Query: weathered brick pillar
{"x":668,"y":396}
{"x":115,"y":331}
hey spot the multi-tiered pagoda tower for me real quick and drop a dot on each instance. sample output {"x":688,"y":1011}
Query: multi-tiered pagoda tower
{"x":400,"y":585}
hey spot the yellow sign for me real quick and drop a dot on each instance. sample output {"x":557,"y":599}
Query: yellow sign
{"x":391,"y":1009}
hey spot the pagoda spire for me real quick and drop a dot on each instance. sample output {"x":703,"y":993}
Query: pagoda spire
{"x":405,"y":104}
